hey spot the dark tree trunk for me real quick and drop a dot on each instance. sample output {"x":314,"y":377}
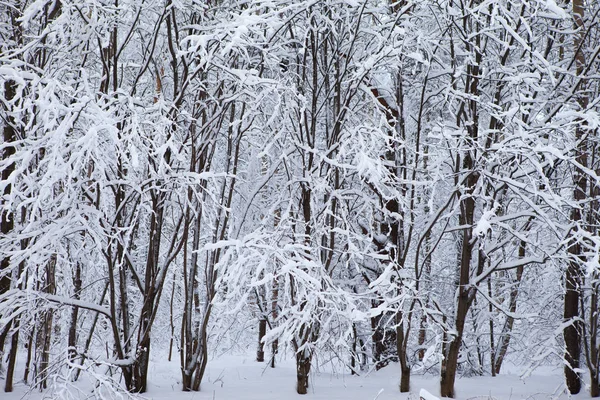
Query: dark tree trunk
{"x":573,"y":274}
{"x":45,"y":331}
{"x":448,"y":374}
{"x":353,"y":354}
{"x":29,"y":357}
{"x":508,"y":326}
{"x":171,"y":320}
{"x":12,"y":360}
{"x":405,"y":379}
{"x":140,"y":368}
{"x":594,"y":385}
{"x":402,"y":356}
{"x":302,"y":371}
{"x":274,"y":305}
{"x":262,"y":331}
{"x":72,"y":340}
{"x":6,"y":218}
{"x":377,"y":339}
{"x":572,"y":333}
{"x":3,"y":334}
{"x":491,"y":325}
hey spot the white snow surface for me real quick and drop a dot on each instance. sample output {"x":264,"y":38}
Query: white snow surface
{"x":242,"y":378}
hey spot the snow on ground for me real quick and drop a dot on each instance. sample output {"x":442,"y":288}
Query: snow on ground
{"x":242,"y":378}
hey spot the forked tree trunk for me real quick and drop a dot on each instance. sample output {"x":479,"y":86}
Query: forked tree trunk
{"x":90,"y":334}
{"x":465,"y":296}
{"x":448,"y":374}
{"x":508,"y":326}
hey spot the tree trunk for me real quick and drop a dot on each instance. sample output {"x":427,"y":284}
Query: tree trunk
{"x":508,"y":326}
{"x":12,"y":359}
{"x":274,"y":313}
{"x":594,"y":384}
{"x":491,"y":324}
{"x":402,"y":356}
{"x":45,"y":330}
{"x":29,"y":356}
{"x":464,"y":298}
{"x":572,"y":333}
{"x":422,"y":337}
{"x":3,"y":334}
{"x":72,"y":340}
{"x":140,"y":368}
{"x":302,"y":371}
{"x":9,"y":135}
{"x":262,"y":330}
{"x":573,"y":274}
{"x":377,"y":339}
{"x":448,"y":374}
{"x":171,"y":320}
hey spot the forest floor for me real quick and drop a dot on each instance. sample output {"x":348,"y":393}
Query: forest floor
{"x":242,"y":378}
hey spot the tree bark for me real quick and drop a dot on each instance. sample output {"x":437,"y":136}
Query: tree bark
{"x":573,"y":274}
{"x":29,"y":356}
{"x":303,"y":360}
{"x":262,"y":331}
{"x":508,"y":326}
{"x":12,"y":360}
{"x":72,"y":339}
{"x":274,"y":313}
{"x":9,"y":135}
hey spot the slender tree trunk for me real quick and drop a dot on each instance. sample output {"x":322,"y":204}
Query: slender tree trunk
{"x":9,"y":135}
{"x":274,"y":315}
{"x":426,"y":276}
{"x":354,"y":352}
{"x":491,"y":323}
{"x":262,"y":331}
{"x":72,"y":339}
{"x":448,"y":375}
{"x":171,"y":319}
{"x":593,"y":342}
{"x":29,"y":356}
{"x":3,"y":334}
{"x":508,"y":326}
{"x":402,"y":357}
{"x":90,"y":335}
{"x":46,"y":327}
{"x":377,"y":339}
{"x":573,"y":274}
{"x":12,"y":359}
{"x":465,"y":296}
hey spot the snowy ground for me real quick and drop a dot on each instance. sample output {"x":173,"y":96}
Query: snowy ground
{"x":241,"y":378}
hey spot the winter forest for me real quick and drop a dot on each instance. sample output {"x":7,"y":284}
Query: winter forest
{"x":401,"y":185}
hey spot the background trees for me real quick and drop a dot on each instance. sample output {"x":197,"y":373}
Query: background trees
{"x":381,"y":181}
